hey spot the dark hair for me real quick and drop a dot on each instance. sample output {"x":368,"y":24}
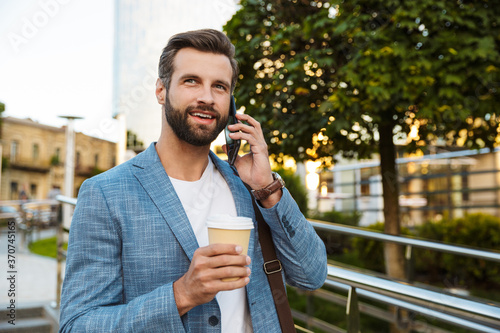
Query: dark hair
{"x":205,"y":40}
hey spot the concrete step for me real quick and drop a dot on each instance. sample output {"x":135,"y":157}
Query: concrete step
{"x":28,"y":319}
{"x":27,"y":325}
{"x":23,"y":312}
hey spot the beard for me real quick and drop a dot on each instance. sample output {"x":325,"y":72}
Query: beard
{"x":194,"y":134}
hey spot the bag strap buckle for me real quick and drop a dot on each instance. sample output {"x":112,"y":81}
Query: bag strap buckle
{"x":270,"y":270}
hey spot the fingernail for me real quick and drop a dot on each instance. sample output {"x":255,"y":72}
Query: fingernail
{"x":238,"y":248}
{"x":248,"y":260}
{"x":248,"y":271}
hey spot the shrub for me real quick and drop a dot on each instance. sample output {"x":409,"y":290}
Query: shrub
{"x":474,"y":230}
{"x":334,"y":216}
{"x":370,"y":253}
{"x":336,"y":243}
{"x":295,"y":187}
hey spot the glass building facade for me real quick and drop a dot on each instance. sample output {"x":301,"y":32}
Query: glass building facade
{"x":142,"y":29}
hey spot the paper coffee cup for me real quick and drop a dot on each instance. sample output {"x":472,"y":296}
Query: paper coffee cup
{"x":226,"y":229}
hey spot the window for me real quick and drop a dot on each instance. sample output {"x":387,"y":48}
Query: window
{"x":368,"y":176}
{"x":14,"y":191}
{"x":56,"y":158}
{"x":326,"y":181}
{"x":78,"y":158}
{"x":33,"y":190}
{"x":36,"y":151}
{"x":96,"y":160}
{"x":14,"y":150}
{"x":365,"y":188}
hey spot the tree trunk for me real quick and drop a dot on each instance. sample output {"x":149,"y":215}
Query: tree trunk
{"x":393,"y":253}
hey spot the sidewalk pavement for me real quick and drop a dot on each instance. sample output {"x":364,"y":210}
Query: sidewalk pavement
{"x":36,"y":276}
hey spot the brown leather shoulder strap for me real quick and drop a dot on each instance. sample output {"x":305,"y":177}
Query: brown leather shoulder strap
{"x":272,"y":268}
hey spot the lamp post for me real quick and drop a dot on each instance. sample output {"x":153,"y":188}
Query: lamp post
{"x":122,"y":141}
{"x":69,"y":167}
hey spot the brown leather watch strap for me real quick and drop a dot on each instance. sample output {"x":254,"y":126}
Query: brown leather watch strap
{"x":265,"y":192}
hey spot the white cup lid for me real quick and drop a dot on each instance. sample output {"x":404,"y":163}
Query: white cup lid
{"x":224,"y":221}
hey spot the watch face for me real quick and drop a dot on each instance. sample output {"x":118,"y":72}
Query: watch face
{"x":278,"y":177}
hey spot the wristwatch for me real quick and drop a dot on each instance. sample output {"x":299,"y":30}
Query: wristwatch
{"x":265,"y":192}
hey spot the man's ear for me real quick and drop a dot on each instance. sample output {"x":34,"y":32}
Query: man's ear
{"x":160,"y":91}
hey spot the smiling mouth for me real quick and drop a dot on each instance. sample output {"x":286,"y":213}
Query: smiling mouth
{"x":202,"y":115}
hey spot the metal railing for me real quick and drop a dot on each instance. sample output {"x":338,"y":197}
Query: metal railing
{"x":474,"y":315}
{"x":31,"y":216}
{"x":61,"y":254}
{"x":407,"y":241}
{"x":468,"y":313}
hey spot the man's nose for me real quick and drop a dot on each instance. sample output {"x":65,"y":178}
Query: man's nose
{"x":206,"y":96}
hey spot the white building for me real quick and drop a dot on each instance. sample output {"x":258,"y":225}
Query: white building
{"x":446,"y":183}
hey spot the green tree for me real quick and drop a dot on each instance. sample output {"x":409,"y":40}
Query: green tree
{"x":133,"y":142}
{"x":355,"y":77}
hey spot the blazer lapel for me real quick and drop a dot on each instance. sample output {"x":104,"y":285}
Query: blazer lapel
{"x":152,"y":176}
{"x":242,"y":198}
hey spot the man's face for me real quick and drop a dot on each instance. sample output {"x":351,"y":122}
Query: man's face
{"x":197,"y":103}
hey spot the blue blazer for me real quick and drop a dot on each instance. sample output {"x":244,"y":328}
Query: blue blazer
{"x":130,"y":239}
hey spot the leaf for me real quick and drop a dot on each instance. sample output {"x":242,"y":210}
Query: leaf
{"x":491,"y":68}
{"x":452,"y":79}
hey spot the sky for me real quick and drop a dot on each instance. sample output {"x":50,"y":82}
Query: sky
{"x":56,"y":60}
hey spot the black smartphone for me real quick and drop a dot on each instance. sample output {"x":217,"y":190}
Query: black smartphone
{"x":233,"y":146}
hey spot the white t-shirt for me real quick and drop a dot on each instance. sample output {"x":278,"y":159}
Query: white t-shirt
{"x":207,"y":196}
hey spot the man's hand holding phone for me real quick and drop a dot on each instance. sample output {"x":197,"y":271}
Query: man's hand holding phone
{"x":254,"y":168}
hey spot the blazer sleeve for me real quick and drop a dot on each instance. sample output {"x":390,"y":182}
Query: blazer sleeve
{"x":299,"y":248}
{"x":92,"y":295}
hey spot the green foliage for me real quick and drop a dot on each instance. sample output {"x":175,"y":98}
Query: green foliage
{"x":133,"y":142}
{"x":95,"y":171}
{"x":296,"y":187}
{"x":347,"y":218}
{"x":370,"y":252}
{"x":367,"y":253}
{"x":330,"y":312}
{"x":5,"y":163}
{"x":2,"y":109}
{"x":474,"y":230}
{"x":351,"y":77}
{"x":54,"y":160}
{"x":46,"y":247}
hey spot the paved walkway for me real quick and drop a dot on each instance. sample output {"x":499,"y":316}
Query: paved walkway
{"x":36,"y":276}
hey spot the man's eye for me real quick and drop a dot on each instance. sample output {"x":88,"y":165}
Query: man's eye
{"x":220,"y":86}
{"x":190,"y":81}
